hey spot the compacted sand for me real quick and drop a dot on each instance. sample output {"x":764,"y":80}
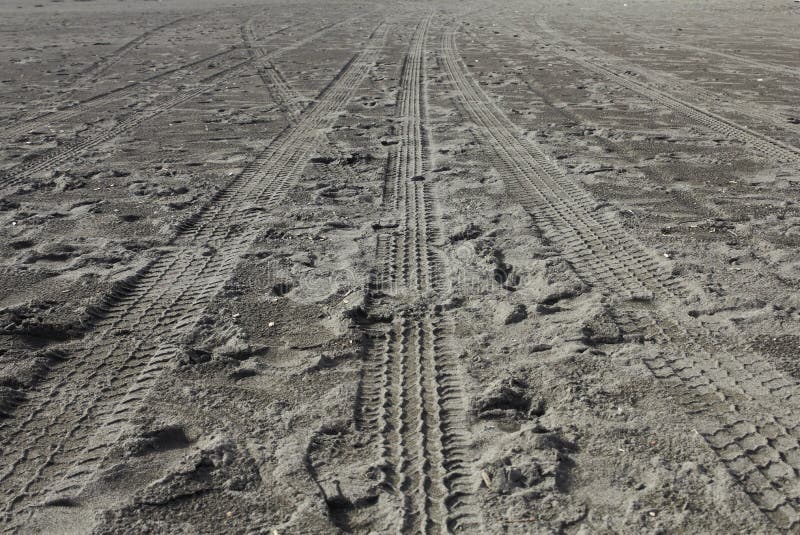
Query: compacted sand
{"x":320,"y":267}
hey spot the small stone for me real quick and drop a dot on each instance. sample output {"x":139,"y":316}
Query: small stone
{"x":469,"y":231}
{"x":235,"y":348}
{"x":305,"y":259}
{"x":508,"y":314}
{"x":601,"y":329}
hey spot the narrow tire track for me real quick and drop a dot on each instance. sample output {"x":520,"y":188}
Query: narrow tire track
{"x":411,"y":394}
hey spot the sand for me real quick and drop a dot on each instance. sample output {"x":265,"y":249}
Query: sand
{"x":469,"y":267}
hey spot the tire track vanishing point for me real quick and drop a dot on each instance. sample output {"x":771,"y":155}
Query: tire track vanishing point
{"x":81,"y":409}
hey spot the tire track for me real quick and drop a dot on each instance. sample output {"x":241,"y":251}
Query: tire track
{"x":753,"y":110}
{"x":44,"y":120}
{"x":21,"y":172}
{"x":766,"y":67}
{"x":53,"y":158}
{"x":102,"y":65}
{"x":761,"y":144}
{"x":413,"y":256}
{"x":696,"y":203}
{"x":83,"y":408}
{"x":759,"y":445}
{"x":92,"y":71}
{"x":744,"y":408}
{"x":411,"y":394}
{"x":287,"y":99}
{"x":152,"y":83}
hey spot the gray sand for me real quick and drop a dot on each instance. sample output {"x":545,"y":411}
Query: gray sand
{"x":526,"y":267}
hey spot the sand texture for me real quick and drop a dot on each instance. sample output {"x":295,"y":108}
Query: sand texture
{"x":399,"y":267}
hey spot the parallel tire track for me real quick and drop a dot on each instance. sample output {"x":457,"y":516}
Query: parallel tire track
{"x":686,"y":88}
{"x":81,"y":410}
{"x":648,"y":77}
{"x":151,"y":83}
{"x":21,"y":172}
{"x":279,"y":89}
{"x":745,"y":410}
{"x":763,"y":66}
{"x":411,"y":395}
{"x":763,"y":145}
{"x":30,"y":121}
{"x":103,"y":64}
{"x":55,"y":157}
{"x":698,"y":204}
{"x":47,"y":119}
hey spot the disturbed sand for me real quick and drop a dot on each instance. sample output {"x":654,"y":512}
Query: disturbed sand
{"x":519,"y":267}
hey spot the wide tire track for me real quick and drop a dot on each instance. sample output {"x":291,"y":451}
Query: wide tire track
{"x":83,"y":408}
{"x":743,"y":407}
{"x":692,"y":200}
